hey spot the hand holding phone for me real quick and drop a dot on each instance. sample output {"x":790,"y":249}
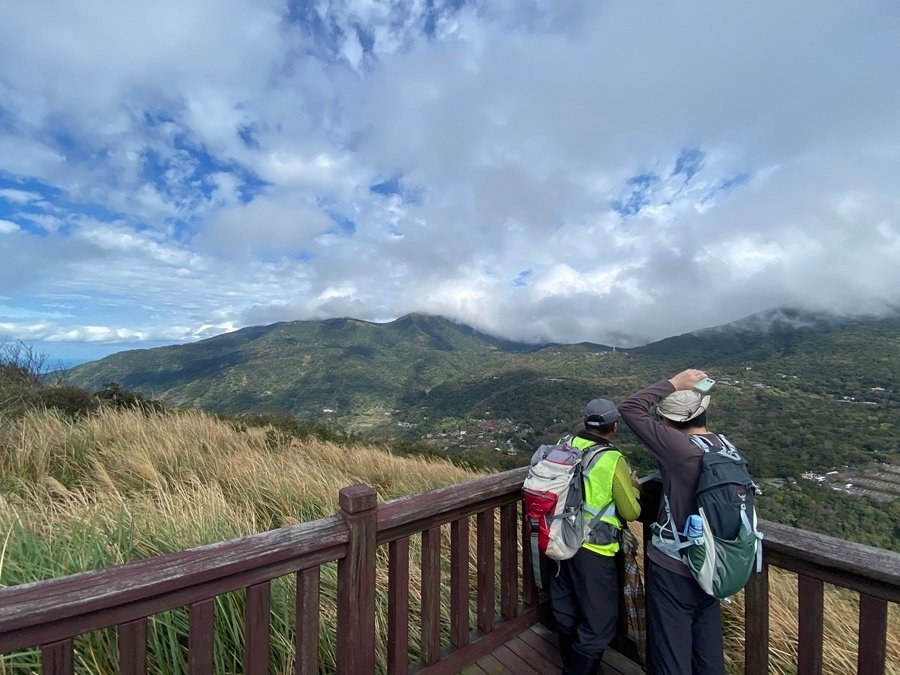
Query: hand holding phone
{"x":703,"y":386}
{"x":686,"y":378}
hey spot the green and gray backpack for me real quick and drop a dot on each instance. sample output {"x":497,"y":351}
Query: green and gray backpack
{"x":721,"y":556}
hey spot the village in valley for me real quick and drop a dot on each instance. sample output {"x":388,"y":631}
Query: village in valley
{"x":879,"y":481}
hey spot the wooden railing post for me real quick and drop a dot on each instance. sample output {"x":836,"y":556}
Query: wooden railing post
{"x":810,"y":606}
{"x":509,"y":578}
{"x":873,"y":622}
{"x":200,"y":637}
{"x":756,"y":623}
{"x":398,"y":607}
{"x":486,"y":589}
{"x":356,"y":583}
{"x":306,"y":635}
{"x":459,"y":582}
{"x":133,"y":647}
{"x":58,"y":658}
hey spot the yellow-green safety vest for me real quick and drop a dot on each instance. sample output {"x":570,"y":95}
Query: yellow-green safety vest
{"x":598,"y":494}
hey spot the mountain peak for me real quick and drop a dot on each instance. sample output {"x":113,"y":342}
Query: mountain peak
{"x":777,"y":319}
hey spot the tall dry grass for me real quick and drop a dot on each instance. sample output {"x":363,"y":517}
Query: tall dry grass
{"x":840,"y":618}
{"x":119,"y":486}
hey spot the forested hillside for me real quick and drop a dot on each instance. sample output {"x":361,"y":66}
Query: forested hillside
{"x":801,"y":392}
{"x":796,"y":392}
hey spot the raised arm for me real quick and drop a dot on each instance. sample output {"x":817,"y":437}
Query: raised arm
{"x":668,"y":445}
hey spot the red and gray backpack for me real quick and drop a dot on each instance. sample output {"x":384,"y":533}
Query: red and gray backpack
{"x":554,"y":501}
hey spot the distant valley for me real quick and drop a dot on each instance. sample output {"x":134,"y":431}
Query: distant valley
{"x":802,"y":392}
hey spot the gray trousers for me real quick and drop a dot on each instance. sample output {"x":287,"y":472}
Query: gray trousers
{"x":584,"y":597}
{"x":684,"y":625}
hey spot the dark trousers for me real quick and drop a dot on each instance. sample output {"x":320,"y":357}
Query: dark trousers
{"x":584,"y":597}
{"x":684,"y":625}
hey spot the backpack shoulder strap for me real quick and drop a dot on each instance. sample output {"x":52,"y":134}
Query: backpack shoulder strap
{"x":728,"y":448}
{"x":726,"y":443}
{"x":592,"y":455}
{"x":703,"y":443}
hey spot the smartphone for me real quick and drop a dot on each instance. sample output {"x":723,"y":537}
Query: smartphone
{"x":704,"y":385}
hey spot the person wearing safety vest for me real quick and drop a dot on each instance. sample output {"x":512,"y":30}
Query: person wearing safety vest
{"x":584,"y":595}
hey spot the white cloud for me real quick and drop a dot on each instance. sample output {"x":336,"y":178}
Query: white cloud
{"x":19,"y":196}
{"x":567,"y":171}
{"x":271,"y":225}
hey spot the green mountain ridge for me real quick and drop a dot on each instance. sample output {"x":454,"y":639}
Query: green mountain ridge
{"x":803,"y":391}
{"x":796,"y":393}
{"x":303,"y":367}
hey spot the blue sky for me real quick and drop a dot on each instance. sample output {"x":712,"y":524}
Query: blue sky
{"x":542,"y":170}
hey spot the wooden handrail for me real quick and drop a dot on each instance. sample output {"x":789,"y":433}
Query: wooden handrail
{"x":866,"y":569}
{"x":52,"y":613}
{"x":404,"y":516}
{"x":56,"y":609}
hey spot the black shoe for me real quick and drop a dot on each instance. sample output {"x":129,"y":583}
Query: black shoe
{"x":579,"y":664}
{"x":566,"y":640}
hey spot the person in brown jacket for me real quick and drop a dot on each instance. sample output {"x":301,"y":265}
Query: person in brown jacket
{"x":684,"y":623}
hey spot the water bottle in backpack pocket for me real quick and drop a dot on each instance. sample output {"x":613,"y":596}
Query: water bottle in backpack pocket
{"x":693,"y":528}
{"x":723,"y":559}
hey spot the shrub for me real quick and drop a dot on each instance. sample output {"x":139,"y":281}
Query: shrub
{"x":115,"y":396}
{"x":20,"y":373}
{"x":72,"y":401}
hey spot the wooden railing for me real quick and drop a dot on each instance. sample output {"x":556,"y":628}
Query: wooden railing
{"x":817,"y":559}
{"x":52,"y":613}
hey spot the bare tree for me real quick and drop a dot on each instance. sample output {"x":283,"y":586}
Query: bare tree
{"x":21,"y":370}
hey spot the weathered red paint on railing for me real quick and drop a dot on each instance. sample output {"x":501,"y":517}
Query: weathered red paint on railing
{"x":405,"y":516}
{"x":57,"y":609}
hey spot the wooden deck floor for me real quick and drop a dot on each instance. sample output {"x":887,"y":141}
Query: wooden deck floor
{"x":534,"y":652}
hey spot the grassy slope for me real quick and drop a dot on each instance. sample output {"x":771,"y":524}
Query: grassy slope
{"x":122,"y":486}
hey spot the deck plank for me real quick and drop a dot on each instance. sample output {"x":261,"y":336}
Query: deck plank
{"x":546,"y":648}
{"x":490,"y":665}
{"x":545,"y":633}
{"x":513,"y":662}
{"x":532,"y":656}
{"x":535,"y":651}
{"x":472,"y":669}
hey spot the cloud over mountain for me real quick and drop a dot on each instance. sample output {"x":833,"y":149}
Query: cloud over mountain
{"x":613,"y":172}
